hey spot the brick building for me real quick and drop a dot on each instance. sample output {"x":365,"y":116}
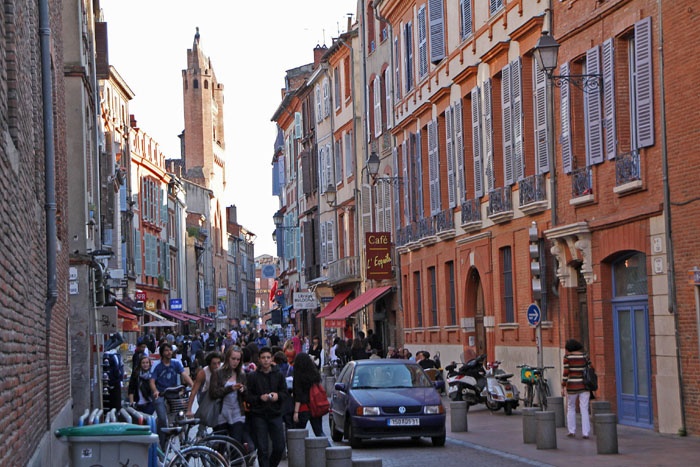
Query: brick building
{"x":34,"y":369}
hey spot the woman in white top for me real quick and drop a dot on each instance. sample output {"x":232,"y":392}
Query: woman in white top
{"x":201,"y":383}
{"x":228,"y":383}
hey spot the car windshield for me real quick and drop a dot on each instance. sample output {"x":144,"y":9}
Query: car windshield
{"x":389,"y":377}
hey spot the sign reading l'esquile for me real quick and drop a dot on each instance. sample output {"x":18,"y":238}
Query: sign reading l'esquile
{"x":378,"y":248}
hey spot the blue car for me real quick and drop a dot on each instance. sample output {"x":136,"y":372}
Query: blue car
{"x":386,"y":399}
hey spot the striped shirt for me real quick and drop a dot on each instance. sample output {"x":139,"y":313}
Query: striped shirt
{"x":574,"y":364}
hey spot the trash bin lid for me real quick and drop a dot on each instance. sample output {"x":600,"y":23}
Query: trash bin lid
{"x":105,"y":429}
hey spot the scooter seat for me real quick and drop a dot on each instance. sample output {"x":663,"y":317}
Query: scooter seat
{"x":504,"y":376}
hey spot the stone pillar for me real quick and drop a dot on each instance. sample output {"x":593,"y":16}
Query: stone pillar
{"x":316,"y":451}
{"x":556,"y":405}
{"x":606,"y":433}
{"x":340,"y":456}
{"x":598,"y":407}
{"x":458,"y":417}
{"x":529,"y":425}
{"x":295,"y":448}
{"x":546,"y":430}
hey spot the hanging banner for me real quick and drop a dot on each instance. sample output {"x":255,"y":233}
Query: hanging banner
{"x":378,"y":251}
{"x":305,"y":301}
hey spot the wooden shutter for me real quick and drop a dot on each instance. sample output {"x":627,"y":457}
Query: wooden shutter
{"x":449,"y":153}
{"x":330,"y":242}
{"x":644,"y":90}
{"x":432,"y":176}
{"x":418,"y":154}
{"x":349,"y":154}
{"x":329,"y":163}
{"x":379,"y":206}
{"x":465,"y":8}
{"x":541,"y":131}
{"x":137,"y":252}
{"x":377,"y":106}
{"x":387,"y":206}
{"x":308,"y":244}
{"x":397,"y":211}
{"x":397,"y":71}
{"x":306,"y":172}
{"x":488,"y":123}
{"x":406,"y":184}
{"x":609,"y":99}
{"x":101,"y":50}
{"x":338,"y":161}
{"x":326,"y":98}
{"x":275,"y":179}
{"x":459,"y":149}
{"x":422,"y":43}
{"x":516,"y":93}
{"x":565,"y":137}
{"x":324,"y":252}
{"x":594,"y":117}
{"x":476,"y":143}
{"x":322,"y":170}
{"x":507,"y":114}
{"x":366,"y":208}
{"x":408,"y":36}
{"x":387,"y":93}
{"x":437,"y":30}
{"x":297,"y":125}
{"x":319,"y":115}
{"x":368,"y":132}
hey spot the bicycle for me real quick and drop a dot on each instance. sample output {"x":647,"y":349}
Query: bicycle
{"x":534,"y":381}
{"x":198,"y":456}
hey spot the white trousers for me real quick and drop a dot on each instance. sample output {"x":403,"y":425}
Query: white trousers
{"x":583,"y":398}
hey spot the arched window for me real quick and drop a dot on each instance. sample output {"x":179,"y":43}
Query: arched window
{"x":630,"y":275}
{"x":195,"y":84}
{"x":206,"y":84}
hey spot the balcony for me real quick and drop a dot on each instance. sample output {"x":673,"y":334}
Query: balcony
{"x":471,"y":215}
{"x":444,"y":224}
{"x":500,"y":207}
{"x":344,"y":270}
{"x":426,"y":231}
{"x":533,"y":194}
{"x":581,"y":186}
{"x":628,"y":172}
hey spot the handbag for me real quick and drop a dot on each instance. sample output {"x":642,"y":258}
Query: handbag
{"x":209,"y":410}
{"x":590,"y":379}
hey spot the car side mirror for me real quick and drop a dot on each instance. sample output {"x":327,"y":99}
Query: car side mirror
{"x":340,"y":387}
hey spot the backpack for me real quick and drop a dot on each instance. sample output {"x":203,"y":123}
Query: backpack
{"x":211,"y":344}
{"x":590,"y":379}
{"x":318,"y":401}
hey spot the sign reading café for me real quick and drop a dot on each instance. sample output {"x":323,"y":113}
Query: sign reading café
{"x":378,"y":246}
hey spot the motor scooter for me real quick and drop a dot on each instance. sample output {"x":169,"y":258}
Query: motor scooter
{"x":468,"y":382}
{"x":499,"y":391}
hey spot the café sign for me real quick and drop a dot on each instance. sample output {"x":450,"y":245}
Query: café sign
{"x":378,"y":249}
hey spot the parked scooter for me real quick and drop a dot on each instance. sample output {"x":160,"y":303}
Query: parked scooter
{"x":500,"y":392}
{"x":478,"y":384}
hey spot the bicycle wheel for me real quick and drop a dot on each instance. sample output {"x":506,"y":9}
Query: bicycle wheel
{"x":228,"y":447}
{"x":542,"y":394}
{"x":198,"y":456}
{"x":529,"y":395}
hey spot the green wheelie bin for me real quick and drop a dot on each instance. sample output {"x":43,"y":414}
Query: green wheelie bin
{"x":108,"y":444}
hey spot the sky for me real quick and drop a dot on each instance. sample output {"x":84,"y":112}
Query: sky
{"x":251,"y":44}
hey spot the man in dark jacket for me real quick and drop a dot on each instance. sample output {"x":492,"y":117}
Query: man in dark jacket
{"x":266,"y":390}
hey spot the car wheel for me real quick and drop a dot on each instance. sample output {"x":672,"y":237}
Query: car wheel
{"x":439,"y":441}
{"x":336,"y":435}
{"x":355,"y":442}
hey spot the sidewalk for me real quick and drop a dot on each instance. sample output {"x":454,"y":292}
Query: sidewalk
{"x":639,"y":447}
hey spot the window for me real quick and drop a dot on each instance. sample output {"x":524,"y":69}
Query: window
{"x":195,"y":84}
{"x":377,"y":103}
{"x":386,"y":91}
{"x":339,"y":161}
{"x":397,"y":71}
{"x":434,"y":167}
{"x":349,"y":154}
{"x":319,"y":116}
{"x":465,"y":9}
{"x":433,"y":296}
{"x":451,"y":292}
{"x":422,"y":44}
{"x":593,"y":112}
{"x":326,"y":99}
{"x":346,"y":74}
{"x":336,"y":82}
{"x":408,"y":57}
{"x":507,"y":274}
{"x":512,"y":119}
{"x":206,"y":84}
{"x":371,"y":37}
{"x":494,"y":6}
{"x":419,"y":306}
{"x":436,"y":19}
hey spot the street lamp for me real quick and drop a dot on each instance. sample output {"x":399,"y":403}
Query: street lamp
{"x":373,"y":170}
{"x":546,"y":53}
{"x":278,"y":219}
{"x":330,"y":195}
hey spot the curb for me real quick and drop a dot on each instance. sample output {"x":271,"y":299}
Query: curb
{"x":496,"y":452}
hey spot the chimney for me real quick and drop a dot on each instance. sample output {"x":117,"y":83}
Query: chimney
{"x":349,"y":23}
{"x":132,"y":122}
{"x":319,"y":52}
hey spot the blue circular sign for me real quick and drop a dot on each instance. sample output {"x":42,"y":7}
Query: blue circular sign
{"x":268,"y":271}
{"x":533,"y":314}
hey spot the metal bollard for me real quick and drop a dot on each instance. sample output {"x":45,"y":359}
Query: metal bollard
{"x":369,"y":462}
{"x":606,"y":433}
{"x":598,"y":407}
{"x":316,"y":451}
{"x":340,"y":456}
{"x":556,"y":404}
{"x":546,"y":430}
{"x":295,"y":448}
{"x":529,"y":425}
{"x":330,"y":385}
{"x":458,"y":417}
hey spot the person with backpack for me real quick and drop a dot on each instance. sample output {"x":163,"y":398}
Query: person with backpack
{"x":210,"y":343}
{"x":575,"y":363}
{"x":310,"y":399}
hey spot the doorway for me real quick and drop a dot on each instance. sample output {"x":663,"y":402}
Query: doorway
{"x":631,"y":329}
{"x":476,"y":304}
{"x":582,"y":310}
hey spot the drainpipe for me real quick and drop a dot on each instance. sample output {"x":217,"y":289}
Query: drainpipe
{"x":551,"y":142}
{"x":49,"y":186}
{"x":326,"y":71}
{"x":365,"y":132}
{"x":671,"y":273}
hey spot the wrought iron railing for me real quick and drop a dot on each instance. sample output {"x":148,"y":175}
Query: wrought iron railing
{"x":532,"y":189}
{"x":471,"y":211}
{"x":344,"y":269}
{"x":627,"y":168}
{"x":443,"y":221}
{"x":582,"y":182}
{"x":500,"y":201}
{"x":425,"y":227}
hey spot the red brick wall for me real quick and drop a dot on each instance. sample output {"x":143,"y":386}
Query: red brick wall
{"x":24,"y":386}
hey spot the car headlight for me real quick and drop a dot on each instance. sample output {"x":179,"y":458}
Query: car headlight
{"x":365,"y":411}
{"x":433,"y":409}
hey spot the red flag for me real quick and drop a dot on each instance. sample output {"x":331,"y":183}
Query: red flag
{"x":273,"y":290}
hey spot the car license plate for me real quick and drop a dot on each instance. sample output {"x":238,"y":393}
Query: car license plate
{"x":403,"y":422}
{"x":509,"y":395}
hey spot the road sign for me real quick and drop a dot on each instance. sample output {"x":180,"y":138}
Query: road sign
{"x":176,"y":304}
{"x":140,"y":296}
{"x":533,"y":314}
{"x":268,"y":271}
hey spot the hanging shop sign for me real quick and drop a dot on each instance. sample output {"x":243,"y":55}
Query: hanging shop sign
{"x":378,"y":252}
{"x":335,"y":323}
{"x":305,"y":301}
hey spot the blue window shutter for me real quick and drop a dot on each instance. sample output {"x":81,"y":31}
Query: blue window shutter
{"x":507,"y":114}
{"x":275,"y":179}
{"x":609,"y":98}
{"x":594,"y":114}
{"x":644,"y":85}
{"x":436,"y":16}
{"x":565,"y":137}
{"x":280,"y":243}
{"x":137,"y":252}
{"x":476,"y":143}
{"x":541,"y":131}
{"x":419,"y":176}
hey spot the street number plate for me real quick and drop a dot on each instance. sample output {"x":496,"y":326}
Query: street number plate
{"x":403,"y":422}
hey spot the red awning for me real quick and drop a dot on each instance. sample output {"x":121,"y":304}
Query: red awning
{"x":360,"y":302}
{"x":124,"y":308}
{"x":334,"y":304}
{"x":174,"y":314}
{"x":208,"y":319}
{"x":125,"y":315}
{"x":190,"y":317}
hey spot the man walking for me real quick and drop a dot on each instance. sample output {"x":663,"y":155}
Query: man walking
{"x":266,"y":393}
{"x":164,"y":376}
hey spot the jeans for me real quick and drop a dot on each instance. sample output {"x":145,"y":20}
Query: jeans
{"x":268,"y":426}
{"x":583,"y":398}
{"x":234,"y":430}
{"x":316,"y":423}
{"x":162,"y":422}
{"x":146,"y":408}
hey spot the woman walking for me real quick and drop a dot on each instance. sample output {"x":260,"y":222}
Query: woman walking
{"x":139,"y":389}
{"x":228,"y":383}
{"x":575,"y":361}
{"x":305,"y":376}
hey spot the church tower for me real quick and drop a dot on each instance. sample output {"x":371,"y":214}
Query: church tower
{"x":204,"y":121}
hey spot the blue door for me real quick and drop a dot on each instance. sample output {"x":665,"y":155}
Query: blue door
{"x":631,"y":328}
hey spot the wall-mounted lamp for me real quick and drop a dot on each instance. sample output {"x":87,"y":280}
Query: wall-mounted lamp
{"x":546,"y":53}
{"x":373,"y":170}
